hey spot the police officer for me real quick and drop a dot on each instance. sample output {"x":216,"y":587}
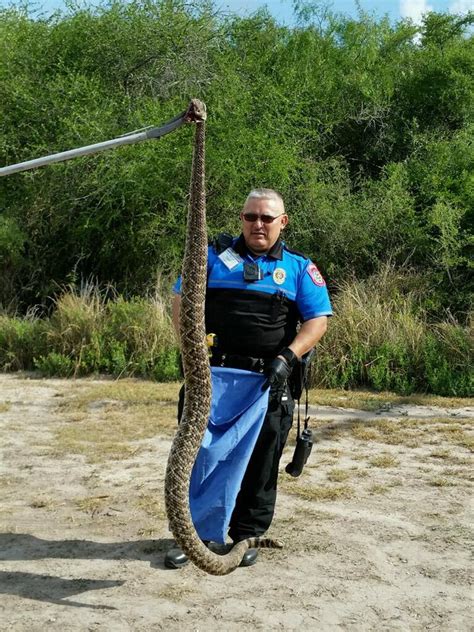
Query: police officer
{"x":268,"y":306}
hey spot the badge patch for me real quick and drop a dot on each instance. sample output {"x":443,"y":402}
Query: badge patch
{"x":316,"y":275}
{"x":279,"y":276}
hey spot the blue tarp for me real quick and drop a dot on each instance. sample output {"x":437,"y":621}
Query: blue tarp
{"x":238,"y":409}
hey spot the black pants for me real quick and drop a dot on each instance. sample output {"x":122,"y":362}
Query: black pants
{"x":255,"y":504}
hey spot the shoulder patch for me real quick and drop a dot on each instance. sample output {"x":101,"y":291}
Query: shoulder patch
{"x":315,"y":274}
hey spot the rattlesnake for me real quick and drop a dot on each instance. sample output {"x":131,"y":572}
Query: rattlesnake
{"x":197,"y":376}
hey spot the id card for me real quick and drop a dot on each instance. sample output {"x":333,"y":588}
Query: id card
{"x":230,"y":258}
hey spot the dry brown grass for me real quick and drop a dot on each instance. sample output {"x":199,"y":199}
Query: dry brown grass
{"x":153,"y":505}
{"x":384,"y":460}
{"x":111,"y":433}
{"x":459,"y":473}
{"x":387,"y":431}
{"x":378,"y":488}
{"x":364,"y":433}
{"x":92,"y":504}
{"x":441,"y":482}
{"x":337,"y":475}
{"x":413,"y":433}
{"x":129,"y":391}
{"x":315,"y":492}
{"x":463,"y":440}
{"x":361,"y":473}
{"x":4,"y":406}
{"x":43,"y":502}
{"x":175,"y":592}
{"x":334,"y":453}
{"x":108,"y":420}
{"x":441,"y":453}
{"x":368,"y":400}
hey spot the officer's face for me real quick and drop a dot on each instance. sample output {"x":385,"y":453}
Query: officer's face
{"x":260,"y":236}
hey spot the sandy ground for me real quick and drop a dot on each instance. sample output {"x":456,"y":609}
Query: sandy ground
{"x":377,"y":531}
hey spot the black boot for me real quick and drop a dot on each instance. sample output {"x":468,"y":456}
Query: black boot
{"x":249,"y":558}
{"x":175,"y":558}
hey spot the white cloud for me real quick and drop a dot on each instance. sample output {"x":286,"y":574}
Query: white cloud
{"x":461,"y":6}
{"x":414,"y":9}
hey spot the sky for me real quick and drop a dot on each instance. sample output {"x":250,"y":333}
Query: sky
{"x":395,"y":9}
{"x":283,"y":11}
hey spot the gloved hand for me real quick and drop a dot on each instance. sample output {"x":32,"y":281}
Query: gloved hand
{"x":280,"y":369}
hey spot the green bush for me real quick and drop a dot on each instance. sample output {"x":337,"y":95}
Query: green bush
{"x":55,"y":364}
{"x":368,"y":137}
{"x":21,"y":339}
{"x":392,"y":369}
{"x":448,"y":360}
{"x":380,"y":338}
{"x":90,"y":331}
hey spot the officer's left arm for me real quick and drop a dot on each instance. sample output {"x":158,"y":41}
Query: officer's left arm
{"x":309,"y":334}
{"x":313,"y":303}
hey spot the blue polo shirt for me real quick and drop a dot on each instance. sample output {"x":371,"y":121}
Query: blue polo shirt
{"x":259,"y":318}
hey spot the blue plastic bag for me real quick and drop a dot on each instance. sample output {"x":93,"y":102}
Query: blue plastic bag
{"x":238,"y":408}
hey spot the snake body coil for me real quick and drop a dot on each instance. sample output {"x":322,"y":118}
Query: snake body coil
{"x":197,"y":377}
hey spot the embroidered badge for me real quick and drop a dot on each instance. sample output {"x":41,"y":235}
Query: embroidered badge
{"x":279,"y":276}
{"x":316,"y":275}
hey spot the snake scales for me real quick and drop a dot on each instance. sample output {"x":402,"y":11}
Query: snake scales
{"x":197,"y":376}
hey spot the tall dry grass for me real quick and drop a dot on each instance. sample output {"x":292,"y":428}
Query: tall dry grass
{"x":94,"y":330}
{"x":380,"y":337}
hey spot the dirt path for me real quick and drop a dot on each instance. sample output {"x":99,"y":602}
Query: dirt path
{"x":377,"y":531}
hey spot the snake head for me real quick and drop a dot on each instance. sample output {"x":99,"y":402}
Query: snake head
{"x":196,"y":112}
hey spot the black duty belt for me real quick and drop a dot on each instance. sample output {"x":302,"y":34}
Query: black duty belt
{"x":233,"y":361}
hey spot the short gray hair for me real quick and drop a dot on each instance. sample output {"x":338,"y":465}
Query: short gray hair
{"x":265,"y":194}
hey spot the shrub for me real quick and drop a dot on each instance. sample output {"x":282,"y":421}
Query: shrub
{"x":448,"y":360}
{"x":55,"y":364}
{"x":21,"y":339}
{"x":380,"y":338}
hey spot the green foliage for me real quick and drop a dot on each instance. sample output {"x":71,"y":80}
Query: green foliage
{"x":367,"y":134}
{"x":365,"y":129}
{"x":20,"y":340}
{"x":448,"y":360}
{"x":91,"y":332}
{"x":392,"y":369}
{"x":55,"y":364}
{"x":12,"y":240}
{"x":380,"y":338}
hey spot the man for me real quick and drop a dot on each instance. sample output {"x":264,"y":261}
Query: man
{"x":258,"y":293}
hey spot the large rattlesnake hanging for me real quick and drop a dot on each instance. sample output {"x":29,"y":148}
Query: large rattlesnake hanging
{"x":197,"y":376}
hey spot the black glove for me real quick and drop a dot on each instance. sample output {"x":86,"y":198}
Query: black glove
{"x":280,"y":369}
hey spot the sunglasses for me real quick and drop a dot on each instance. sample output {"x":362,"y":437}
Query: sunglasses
{"x":266,"y":219}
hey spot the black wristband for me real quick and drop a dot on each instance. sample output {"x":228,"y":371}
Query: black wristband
{"x":289,"y":356}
